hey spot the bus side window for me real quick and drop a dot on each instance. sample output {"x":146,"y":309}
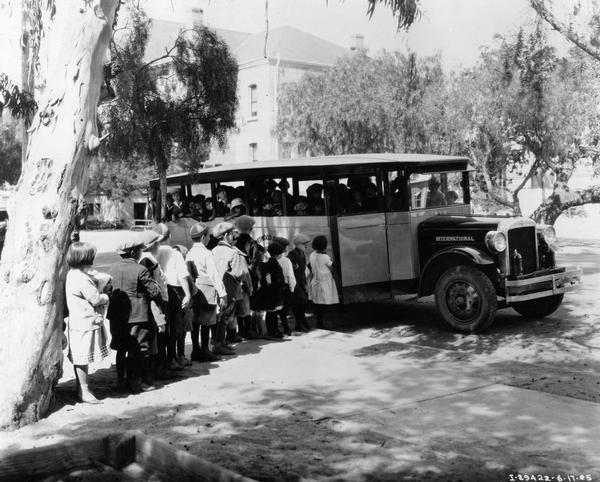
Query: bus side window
{"x":269,"y":196}
{"x":396,"y":183}
{"x":358,"y":194}
{"x":196,"y":202}
{"x":308,"y":198}
{"x":230,"y":200}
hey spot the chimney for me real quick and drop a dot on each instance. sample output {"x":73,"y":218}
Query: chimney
{"x":357,"y":42}
{"x":195,"y":17}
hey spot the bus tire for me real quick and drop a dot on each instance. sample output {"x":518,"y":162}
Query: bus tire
{"x":466,"y":299}
{"x":540,"y":307}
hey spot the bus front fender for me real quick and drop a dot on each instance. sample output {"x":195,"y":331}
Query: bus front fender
{"x":459,"y":255}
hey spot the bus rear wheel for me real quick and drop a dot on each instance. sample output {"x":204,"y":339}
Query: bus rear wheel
{"x":540,"y":307}
{"x":466,"y":299}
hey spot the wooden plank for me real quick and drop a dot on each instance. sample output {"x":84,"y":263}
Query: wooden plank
{"x":120,"y":449}
{"x":57,"y":458}
{"x":161,"y":459}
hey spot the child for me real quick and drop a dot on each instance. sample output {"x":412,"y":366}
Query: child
{"x":187,"y":314}
{"x":85,"y":329}
{"x":272,"y":287}
{"x":322,"y":289}
{"x":158,"y":349}
{"x":300,"y":299}
{"x":211,"y":295}
{"x":129,"y":314}
{"x":290,"y":284}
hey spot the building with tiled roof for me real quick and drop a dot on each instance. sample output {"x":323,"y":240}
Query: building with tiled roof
{"x":289,"y":54}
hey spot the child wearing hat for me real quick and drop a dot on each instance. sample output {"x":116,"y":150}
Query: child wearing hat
{"x":129,"y":314}
{"x":297,"y":256}
{"x":247,"y":245}
{"x":158,"y":355}
{"x":233,"y":270}
{"x":290,"y":284}
{"x":178,"y":286}
{"x":210,"y":297}
{"x":85,"y":329}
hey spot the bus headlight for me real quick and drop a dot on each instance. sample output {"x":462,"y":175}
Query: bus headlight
{"x":549,"y":234}
{"x":495,"y":241}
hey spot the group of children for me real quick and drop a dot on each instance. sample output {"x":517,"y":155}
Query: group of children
{"x":227,"y":287}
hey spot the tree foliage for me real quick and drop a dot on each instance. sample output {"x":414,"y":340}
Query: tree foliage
{"x":10,"y":150}
{"x":389,"y":103}
{"x":526,"y":113}
{"x":18,"y":102}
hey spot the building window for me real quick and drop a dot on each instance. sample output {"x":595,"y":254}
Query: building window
{"x":253,"y":100}
{"x":253,"y":152}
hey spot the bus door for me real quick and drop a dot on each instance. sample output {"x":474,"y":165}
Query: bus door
{"x":399,"y":233}
{"x":362,"y":238}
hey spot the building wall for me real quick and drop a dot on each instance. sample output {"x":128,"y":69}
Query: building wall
{"x":267,"y":76}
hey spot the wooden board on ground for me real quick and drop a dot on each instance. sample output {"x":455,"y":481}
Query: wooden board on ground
{"x":127,"y":456}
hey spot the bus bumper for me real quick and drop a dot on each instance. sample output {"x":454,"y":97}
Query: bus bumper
{"x":542,"y":284}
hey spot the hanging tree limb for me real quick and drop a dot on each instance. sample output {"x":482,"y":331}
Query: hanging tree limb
{"x":543,"y":11}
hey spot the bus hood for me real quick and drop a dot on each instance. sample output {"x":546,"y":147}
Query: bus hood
{"x":463,"y":222}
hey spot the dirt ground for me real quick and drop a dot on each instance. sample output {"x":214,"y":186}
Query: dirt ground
{"x":384,"y":393}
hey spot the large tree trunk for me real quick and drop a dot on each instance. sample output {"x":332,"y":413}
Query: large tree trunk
{"x":32,"y":269}
{"x":563,"y":198}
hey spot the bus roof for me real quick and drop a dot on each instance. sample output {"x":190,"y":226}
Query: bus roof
{"x":295,"y":166}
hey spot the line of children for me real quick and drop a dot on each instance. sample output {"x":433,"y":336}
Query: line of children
{"x":147,"y":310}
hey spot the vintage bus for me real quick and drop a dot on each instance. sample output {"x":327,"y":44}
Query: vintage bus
{"x":396,"y":224}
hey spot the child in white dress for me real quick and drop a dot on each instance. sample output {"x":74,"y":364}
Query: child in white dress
{"x":322,"y":289}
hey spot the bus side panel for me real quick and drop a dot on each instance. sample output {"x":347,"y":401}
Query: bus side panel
{"x":400,"y":242}
{"x":288,"y":226}
{"x":363,"y":249}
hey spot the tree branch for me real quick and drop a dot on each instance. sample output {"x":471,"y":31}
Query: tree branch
{"x":562,"y":28}
{"x":490,"y":188}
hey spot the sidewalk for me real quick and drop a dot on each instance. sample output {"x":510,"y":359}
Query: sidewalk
{"x":337,"y":406}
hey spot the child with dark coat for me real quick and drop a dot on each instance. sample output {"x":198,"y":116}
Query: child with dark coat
{"x":300,"y":299}
{"x":271,"y":290}
{"x":129,"y":314}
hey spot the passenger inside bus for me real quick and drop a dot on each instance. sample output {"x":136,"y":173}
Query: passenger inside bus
{"x":316,"y":203}
{"x":236,"y":209}
{"x":434,"y":196}
{"x":451,"y":197}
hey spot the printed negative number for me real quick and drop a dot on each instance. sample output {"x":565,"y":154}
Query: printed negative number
{"x":549,"y":478}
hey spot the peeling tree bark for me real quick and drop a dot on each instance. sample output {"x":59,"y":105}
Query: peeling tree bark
{"x":563,"y":198}
{"x":31,"y":269}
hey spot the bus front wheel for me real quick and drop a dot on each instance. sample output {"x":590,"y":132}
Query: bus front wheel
{"x":540,"y":307}
{"x":466,"y":299}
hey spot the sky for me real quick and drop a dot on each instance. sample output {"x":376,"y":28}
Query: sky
{"x":455,"y":28}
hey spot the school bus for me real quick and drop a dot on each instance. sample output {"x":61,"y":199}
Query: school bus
{"x":395,"y":224}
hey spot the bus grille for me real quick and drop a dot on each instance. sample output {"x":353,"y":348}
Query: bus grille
{"x":524,"y":241}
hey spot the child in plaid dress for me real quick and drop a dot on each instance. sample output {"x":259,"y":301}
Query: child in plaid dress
{"x":86,"y":333}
